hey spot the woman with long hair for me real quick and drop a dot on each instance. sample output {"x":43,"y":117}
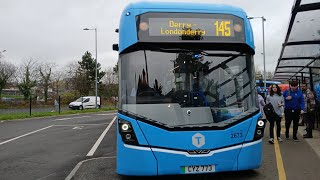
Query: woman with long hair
{"x":276,"y":99}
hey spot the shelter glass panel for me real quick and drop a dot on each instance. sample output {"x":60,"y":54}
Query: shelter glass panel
{"x":316,"y":63}
{"x":283,"y":74}
{"x":308,"y":50}
{"x":309,"y":1}
{"x":289,"y":69}
{"x":315,"y":71}
{"x":305,"y":70}
{"x":306,"y":27}
{"x":294,"y":62}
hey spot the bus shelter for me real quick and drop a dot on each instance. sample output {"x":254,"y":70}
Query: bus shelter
{"x":300,"y":54}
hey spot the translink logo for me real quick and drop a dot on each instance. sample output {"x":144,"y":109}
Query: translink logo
{"x":198,"y":140}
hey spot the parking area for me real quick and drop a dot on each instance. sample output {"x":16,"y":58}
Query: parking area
{"x":50,"y":148}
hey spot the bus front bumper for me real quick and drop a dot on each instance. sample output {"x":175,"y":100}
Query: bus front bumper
{"x":145,"y":161}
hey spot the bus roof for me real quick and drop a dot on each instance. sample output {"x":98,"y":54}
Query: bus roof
{"x":270,"y":82}
{"x":181,"y":6}
{"x":128,"y":29}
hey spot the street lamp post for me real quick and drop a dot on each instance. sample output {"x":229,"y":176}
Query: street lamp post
{"x":96,"y":71}
{"x":264,"y":54}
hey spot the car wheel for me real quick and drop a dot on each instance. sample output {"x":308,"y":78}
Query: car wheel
{"x":80,"y":107}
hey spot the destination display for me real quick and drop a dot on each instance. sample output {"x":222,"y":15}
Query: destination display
{"x":190,"y":26}
{"x":153,"y":27}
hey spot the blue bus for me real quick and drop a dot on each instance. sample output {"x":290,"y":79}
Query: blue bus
{"x":187,"y":98}
{"x":260,"y":86}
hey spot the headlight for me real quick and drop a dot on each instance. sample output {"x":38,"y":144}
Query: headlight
{"x":259,"y":129}
{"x":260,"y":123}
{"x":124,"y":127}
{"x":127,"y":132}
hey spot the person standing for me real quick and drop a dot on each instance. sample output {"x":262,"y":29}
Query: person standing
{"x":261,"y":104}
{"x":303,"y":116}
{"x":309,"y":110}
{"x":294,"y":105}
{"x":276,"y":99}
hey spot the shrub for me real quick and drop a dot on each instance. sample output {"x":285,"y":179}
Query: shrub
{"x":68,"y":97}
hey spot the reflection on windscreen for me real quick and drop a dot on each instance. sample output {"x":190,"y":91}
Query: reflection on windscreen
{"x":186,"y":87}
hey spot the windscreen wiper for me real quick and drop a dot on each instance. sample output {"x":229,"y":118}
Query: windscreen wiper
{"x":200,"y":52}
{"x":183,"y":50}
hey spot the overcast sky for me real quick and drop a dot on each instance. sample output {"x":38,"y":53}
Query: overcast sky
{"x":52,"y":30}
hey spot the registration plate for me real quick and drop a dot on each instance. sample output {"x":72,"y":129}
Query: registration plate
{"x":198,"y":169}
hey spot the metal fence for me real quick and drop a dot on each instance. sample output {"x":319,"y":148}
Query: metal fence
{"x":32,"y":106}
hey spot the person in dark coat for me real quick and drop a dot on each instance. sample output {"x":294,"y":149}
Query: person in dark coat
{"x":294,"y":105}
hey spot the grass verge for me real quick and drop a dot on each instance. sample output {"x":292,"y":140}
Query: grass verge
{"x":18,"y":116}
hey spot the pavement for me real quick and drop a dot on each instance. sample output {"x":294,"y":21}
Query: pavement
{"x":314,"y":142}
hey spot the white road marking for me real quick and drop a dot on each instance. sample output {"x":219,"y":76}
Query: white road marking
{"x":63,"y":119}
{"x":66,"y":125}
{"x":75,"y":169}
{"x":106,"y":114}
{"x":24,"y":135}
{"x":45,"y":177}
{"x":95,"y":146}
{"x":78,"y":127}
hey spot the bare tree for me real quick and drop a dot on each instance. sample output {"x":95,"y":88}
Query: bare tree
{"x":27,"y":77}
{"x":71,"y":71}
{"x":7,"y":71}
{"x":45,"y":71}
{"x":109,"y":86}
{"x":57,"y":77}
{"x":74,"y":80}
{"x":269,"y":74}
{"x":110,"y":77}
{"x":259,"y":73}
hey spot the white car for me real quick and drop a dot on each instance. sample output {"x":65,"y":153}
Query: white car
{"x":85,"y":102}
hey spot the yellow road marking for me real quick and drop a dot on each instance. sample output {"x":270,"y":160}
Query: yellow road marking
{"x":281,"y":171}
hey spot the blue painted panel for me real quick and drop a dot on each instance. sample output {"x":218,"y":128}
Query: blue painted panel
{"x":172,"y":163}
{"x":250,"y":157}
{"x":252,"y":128}
{"x":239,"y":157}
{"x":146,"y":161}
{"x":134,"y":162}
{"x":183,"y":139}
